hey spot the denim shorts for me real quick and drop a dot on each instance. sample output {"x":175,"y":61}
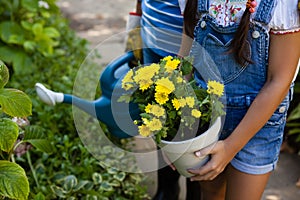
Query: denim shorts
{"x":260,"y":154}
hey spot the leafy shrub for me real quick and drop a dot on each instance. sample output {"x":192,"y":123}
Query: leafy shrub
{"x":37,"y":45}
{"x":14,"y":137}
{"x":293,"y":121}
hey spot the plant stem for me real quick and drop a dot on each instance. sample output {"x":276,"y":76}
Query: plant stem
{"x":32,"y":169}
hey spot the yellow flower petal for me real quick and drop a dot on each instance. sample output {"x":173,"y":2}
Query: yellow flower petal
{"x":161,"y":98}
{"x":196,"y":113}
{"x":176,"y":103}
{"x":214,"y":87}
{"x":144,"y":130}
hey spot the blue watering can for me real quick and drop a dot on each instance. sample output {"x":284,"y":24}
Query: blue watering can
{"x":106,"y":108}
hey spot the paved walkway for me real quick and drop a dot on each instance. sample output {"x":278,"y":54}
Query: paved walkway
{"x":102,"y":22}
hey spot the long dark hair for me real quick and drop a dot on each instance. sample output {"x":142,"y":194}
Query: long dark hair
{"x":238,"y":46}
{"x":190,"y":17}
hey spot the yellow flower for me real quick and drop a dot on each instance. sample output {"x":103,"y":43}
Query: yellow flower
{"x":127,"y":82}
{"x":190,"y":101}
{"x":179,"y":79}
{"x":145,"y":84}
{"x":196,"y":113}
{"x":167,"y":58}
{"x":164,"y":85}
{"x":182,"y":102}
{"x":214,"y":87}
{"x":176,"y":103}
{"x":154,"y":68}
{"x":144,"y":130}
{"x":161,"y":98}
{"x":148,"y":108}
{"x":145,"y":121}
{"x":155,"y":125}
{"x":157,"y":110}
{"x":171,"y":65}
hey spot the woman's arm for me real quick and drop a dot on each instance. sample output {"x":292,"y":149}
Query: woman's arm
{"x":283,"y":59}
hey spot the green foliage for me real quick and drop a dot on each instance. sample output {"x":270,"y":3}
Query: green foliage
{"x":13,"y":180}
{"x":25,"y":30}
{"x":293,"y":121}
{"x":14,"y":183}
{"x":37,"y":42}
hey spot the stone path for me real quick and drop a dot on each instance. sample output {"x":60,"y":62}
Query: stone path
{"x":103,"y":22}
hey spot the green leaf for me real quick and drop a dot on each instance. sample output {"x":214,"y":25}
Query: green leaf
{"x":46,"y":14}
{"x":120,"y":176}
{"x":16,"y":39}
{"x":15,"y":103}
{"x":29,"y":46}
{"x":37,"y":29}
{"x":22,"y":63}
{"x":97,"y":178}
{"x":106,"y":186}
{"x":295,"y":114}
{"x":58,"y":191}
{"x":80,"y":185}
{"x":31,"y":5}
{"x":51,"y":32}
{"x":39,"y":196}
{"x":5,"y":54}
{"x":11,"y":32}
{"x":35,"y":136}
{"x":115,"y":183}
{"x":13,"y":181}
{"x":294,"y":131}
{"x":9,"y":132}
{"x":4,"y":75}
{"x":69,"y":183}
{"x":112,"y":170}
{"x":26,"y":25}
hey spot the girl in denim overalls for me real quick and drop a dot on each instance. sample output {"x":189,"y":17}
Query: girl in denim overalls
{"x":258,"y":72}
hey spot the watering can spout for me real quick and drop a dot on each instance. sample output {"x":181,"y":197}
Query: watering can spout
{"x":52,"y":98}
{"x":98,"y":108}
{"x":117,"y":116}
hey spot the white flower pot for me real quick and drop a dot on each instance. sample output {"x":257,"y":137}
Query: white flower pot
{"x":181,"y":153}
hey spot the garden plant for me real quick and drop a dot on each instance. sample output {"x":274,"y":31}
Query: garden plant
{"x":38,"y":45}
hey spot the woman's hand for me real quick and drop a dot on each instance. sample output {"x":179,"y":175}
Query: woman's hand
{"x":221,"y":155}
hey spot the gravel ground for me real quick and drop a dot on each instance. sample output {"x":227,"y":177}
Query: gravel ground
{"x":103,"y":22}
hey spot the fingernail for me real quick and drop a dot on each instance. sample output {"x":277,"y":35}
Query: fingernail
{"x":198,"y":153}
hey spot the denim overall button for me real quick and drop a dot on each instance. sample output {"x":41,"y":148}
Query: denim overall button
{"x":203,"y":24}
{"x":255,"y":34}
{"x":282,"y":109}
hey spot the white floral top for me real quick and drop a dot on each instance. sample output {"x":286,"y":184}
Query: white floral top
{"x":285,"y":18}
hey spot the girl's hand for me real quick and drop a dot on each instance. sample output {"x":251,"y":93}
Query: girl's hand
{"x":221,"y":155}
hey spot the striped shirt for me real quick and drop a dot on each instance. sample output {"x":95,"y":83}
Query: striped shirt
{"x":162,"y":24}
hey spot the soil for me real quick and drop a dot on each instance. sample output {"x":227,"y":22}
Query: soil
{"x":103,"y":22}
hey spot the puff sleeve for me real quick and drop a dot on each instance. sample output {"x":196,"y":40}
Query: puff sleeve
{"x":286,"y":18}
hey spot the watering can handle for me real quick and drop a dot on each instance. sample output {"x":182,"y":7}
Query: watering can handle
{"x":108,"y":75}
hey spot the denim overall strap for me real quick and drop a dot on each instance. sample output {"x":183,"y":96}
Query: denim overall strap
{"x":203,"y":6}
{"x":265,"y":11}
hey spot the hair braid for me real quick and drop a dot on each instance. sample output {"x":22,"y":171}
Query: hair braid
{"x":190,"y":17}
{"x":238,"y":45}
